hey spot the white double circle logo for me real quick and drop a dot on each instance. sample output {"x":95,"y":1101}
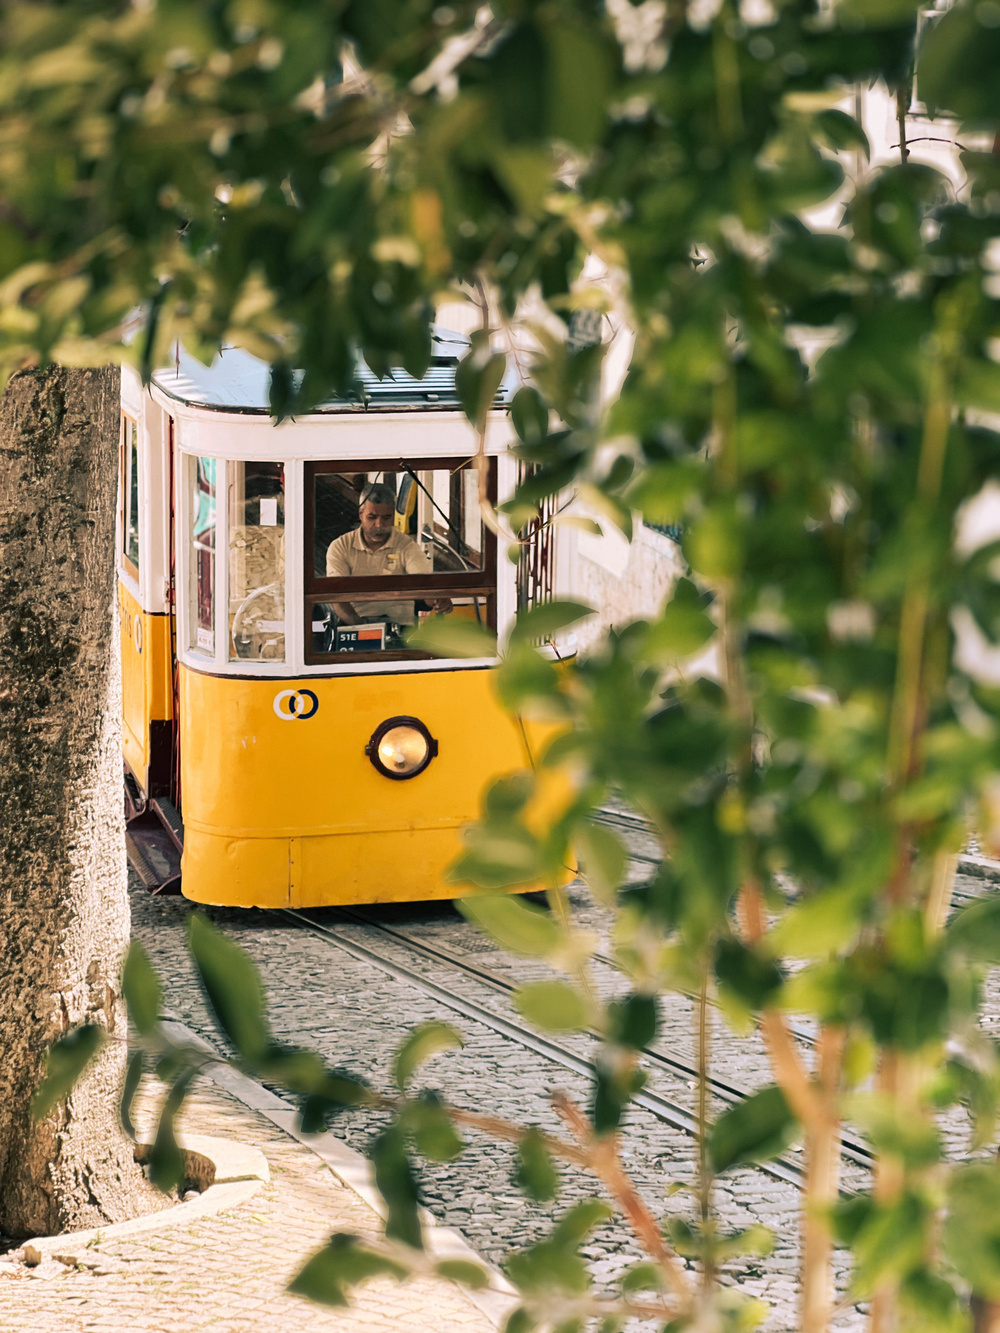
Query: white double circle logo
{"x":295,"y":705}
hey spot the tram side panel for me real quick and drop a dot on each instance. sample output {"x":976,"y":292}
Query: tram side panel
{"x":146,"y":693}
{"x":282,"y":807}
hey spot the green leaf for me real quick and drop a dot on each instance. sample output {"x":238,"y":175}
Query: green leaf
{"x":529,"y":415}
{"x":342,"y":1263}
{"x":553,"y":1006}
{"x":877,"y":13}
{"x":433,"y":1132}
{"x":682,"y":629}
{"x":576,"y":1225}
{"x":141,"y":989}
{"x":757,"y":1128}
{"x":166,"y":1160}
{"x":632,"y":1022}
{"x":425,"y":1040}
{"x":604,"y":857}
{"x":579,"y":81}
{"x":643,"y":1276}
{"x":546,"y":619}
{"x":133,"y":1077}
{"x":842,"y":131}
{"x":537,"y":1173}
{"x":972,"y":1227}
{"x":445,"y":637}
{"x":65,"y":1062}
{"x":477,"y":379}
{"x":517,"y":925}
{"x":748,"y":973}
{"x":464,"y":1272}
{"x":397,"y":1185}
{"x":975,"y":931}
{"x":232,"y":985}
{"x":615,"y":1085}
{"x":519,"y":1321}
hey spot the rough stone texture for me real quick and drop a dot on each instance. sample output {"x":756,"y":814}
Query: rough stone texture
{"x":64,"y":918}
{"x":229,"y":1272}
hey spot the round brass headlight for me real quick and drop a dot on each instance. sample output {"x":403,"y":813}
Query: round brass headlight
{"x":401,"y":747}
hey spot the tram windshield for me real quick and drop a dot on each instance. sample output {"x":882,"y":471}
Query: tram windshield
{"x":389,"y":544}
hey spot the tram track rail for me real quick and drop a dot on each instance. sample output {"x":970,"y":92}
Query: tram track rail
{"x":663,"y":1108}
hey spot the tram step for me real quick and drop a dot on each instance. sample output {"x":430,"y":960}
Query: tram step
{"x":170,"y":819}
{"x":137,"y":859}
{"x":153,"y":852}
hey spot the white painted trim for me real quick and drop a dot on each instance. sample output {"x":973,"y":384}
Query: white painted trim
{"x":348,"y":434}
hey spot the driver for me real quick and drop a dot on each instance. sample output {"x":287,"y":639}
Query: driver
{"x":377,"y":547}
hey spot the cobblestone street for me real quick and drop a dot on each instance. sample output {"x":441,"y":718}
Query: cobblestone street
{"x":230,"y":1271}
{"x":356,"y":1016}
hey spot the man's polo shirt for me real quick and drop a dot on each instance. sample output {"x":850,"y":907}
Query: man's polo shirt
{"x":349,"y":557}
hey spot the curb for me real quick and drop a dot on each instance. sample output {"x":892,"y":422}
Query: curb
{"x":350,"y":1167}
{"x":978,"y":867}
{"x":241,"y":1172}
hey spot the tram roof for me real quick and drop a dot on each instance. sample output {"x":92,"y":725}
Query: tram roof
{"x":237,"y":381}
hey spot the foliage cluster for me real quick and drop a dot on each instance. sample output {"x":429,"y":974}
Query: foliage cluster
{"x":205,"y":159}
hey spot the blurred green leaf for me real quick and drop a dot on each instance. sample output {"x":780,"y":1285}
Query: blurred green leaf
{"x":425,"y":1040}
{"x":683,"y":627}
{"x":133,"y":1077}
{"x":477,"y":379}
{"x":464,"y":1272}
{"x":749,"y":974}
{"x":232,"y":986}
{"x":632,"y":1022}
{"x":537,"y":1173}
{"x":529,"y":415}
{"x":64,"y":1063}
{"x":141,"y":989}
{"x":758,"y":1128}
{"x":972,"y":1227}
{"x":615,"y":1084}
{"x":553,"y":1006}
{"x":877,"y":13}
{"x":397,"y":1185}
{"x":842,"y":131}
{"x":433,"y":1132}
{"x":166,"y":1160}
{"x":604,"y":858}
{"x":975,"y":930}
{"x":545,"y":619}
{"x":343,"y":1262}
{"x":452,"y":638}
{"x":513,"y":923}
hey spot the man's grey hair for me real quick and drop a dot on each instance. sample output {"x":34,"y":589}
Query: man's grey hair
{"x":378,"y":493}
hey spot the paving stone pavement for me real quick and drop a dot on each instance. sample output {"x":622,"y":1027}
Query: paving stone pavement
{"x":229,"y":1273}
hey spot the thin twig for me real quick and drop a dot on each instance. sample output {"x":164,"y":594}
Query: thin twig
{"x":606,"y":1164}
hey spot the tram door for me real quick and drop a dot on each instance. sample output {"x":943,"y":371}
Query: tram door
{"x":135,"y":704}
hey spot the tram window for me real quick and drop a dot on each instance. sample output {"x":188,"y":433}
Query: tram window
{"x":386,"y":545}
{"x":201,"y":603}
{"x":130,"y":493}
{"x":256,"y":561}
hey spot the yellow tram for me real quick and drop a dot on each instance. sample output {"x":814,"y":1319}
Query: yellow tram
{"x":283,"y":745}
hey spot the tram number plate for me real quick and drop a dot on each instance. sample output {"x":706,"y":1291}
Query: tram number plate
{"x":360,"y":638}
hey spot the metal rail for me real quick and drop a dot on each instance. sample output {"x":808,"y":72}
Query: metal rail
{"x":662,"y":1107}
